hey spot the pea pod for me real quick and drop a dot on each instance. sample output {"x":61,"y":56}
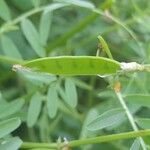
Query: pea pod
{"x":75,"y":65}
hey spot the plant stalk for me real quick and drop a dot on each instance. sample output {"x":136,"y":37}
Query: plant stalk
{"x":86,"y":141}
{"x":130,"y":117}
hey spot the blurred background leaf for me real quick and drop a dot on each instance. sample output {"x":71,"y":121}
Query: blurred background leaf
{"x":71,"y":93}
{"x":52,"y":102}
{"x":13,"y":144}
{"x":5,"y":13}
{"x":34,"y":109}
{"x":107,"y":119}
{"x":8,"y":126}
{"x":10,"y":48}
{"x":32,"y":36}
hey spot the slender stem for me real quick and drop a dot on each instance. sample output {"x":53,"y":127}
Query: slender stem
{"x":25,"y":15}
{"x":95,"y":140}
{"x":19,"y":18}
{"x":106,"y":138}
{"x":130,"y":117}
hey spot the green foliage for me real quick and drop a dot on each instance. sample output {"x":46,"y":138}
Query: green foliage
{"x":78,"y":3}
{"x":34,"y":109}
{"x":140,"y":99}
{"x":32,"y":36}
{"x":10,"y":48}
{"x":143,"y":122}
{"x":52,"y":102}
{"x":7,"y":109}
{"x":107,"y":119}
{"x":53,"y":85}
{"x":13,"y":144}
{"x":44,"y":27}
{"x":36,"y":78}
{"x":8,"y":126}
{"x":71,"y":93}
{"x":4,"y":11}
{"x":135,"y":145}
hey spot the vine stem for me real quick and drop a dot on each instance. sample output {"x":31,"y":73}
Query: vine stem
{"x":86,"y":141}
{"x":130,"y":117}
